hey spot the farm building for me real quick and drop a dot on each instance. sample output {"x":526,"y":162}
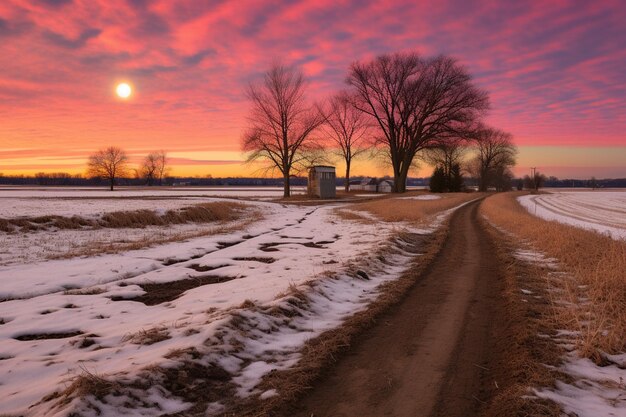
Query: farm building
{"x":385,"y":186}
{"x":374,"y":185}
{"x":321,"y":182}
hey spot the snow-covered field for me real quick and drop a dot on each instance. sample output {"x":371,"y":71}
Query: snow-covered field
{"x":102,"y":315}
{"x":143,"y":192}
{"x":93,"y":202}
{"x":90,"y":207}
{"x":602,"y":211}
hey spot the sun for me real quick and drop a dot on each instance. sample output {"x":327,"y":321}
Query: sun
{"x":123,"y":90}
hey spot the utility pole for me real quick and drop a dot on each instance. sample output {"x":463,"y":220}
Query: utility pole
{"x":533,"y":171}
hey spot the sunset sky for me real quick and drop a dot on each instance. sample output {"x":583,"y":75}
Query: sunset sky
{"x":555,"y":71}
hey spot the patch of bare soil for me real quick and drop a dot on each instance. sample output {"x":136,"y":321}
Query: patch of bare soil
{"x":206,"y":268}
{"x":46,"y":336}
{"x":158,"y":293}
{"x":272,"y":246}
{"x":261,"y":259}
{"x":198,"y":384}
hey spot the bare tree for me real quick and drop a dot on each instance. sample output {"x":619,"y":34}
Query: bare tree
{"x":281,"y":123}
{"x":534,"y":182}
{"x":495,"y":156}
{"x":416,"y":102}
{"x":446,"y":155}
{"x":154,"y":167}
{"x":163,"y":168}
{"x":109,"y":163}
{"x":348,"y":129}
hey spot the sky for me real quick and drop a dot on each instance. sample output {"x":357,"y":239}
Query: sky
{"x":555,"y":72}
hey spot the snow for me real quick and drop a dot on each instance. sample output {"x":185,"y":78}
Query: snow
{"x":536,"y":258}
{"x":141,"y":192}
{"x":310,"y":248}
{"x":422,"y":197}
{"x":596,"y":391}
{"x":601,"y":211}
{"x":90,"y":207}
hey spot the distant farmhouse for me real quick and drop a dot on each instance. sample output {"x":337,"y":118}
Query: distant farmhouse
{"x":321,"y":182}
{"x":373,"y":185}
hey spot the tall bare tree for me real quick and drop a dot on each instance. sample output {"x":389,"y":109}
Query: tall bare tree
{"x":109,"y":163}
{"x":348,"y":129}
{"x":281,"y":122}
{"x":495,"y":156}
{"x":416,"y":102}
{"x":154,"y":167}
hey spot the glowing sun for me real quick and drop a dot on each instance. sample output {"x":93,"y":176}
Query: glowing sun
{"x":123,"y":90}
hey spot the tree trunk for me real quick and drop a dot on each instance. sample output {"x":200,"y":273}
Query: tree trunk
{"x":112,"y":183}
{"x":347,"y":182}
{"x":399,"y":179}
{"x":484,"y":181}
{"x":286,"y":190}
{"x":397,"y":173}
{"x":400,"y":182}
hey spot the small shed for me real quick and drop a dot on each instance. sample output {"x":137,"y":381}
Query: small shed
{"x":321,"y":182}
{"x":385,"y":186}
{"x":366,"y":184}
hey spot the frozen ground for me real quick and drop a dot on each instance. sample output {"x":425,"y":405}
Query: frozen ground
{"x":602,"y":211}
{"x":103,"y":316}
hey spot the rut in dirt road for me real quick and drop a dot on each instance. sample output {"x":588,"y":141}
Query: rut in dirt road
{"x":429,"y":354}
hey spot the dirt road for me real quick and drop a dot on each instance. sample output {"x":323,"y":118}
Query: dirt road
{"x":430,"y":354}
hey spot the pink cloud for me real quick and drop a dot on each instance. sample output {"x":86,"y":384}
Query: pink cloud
{"x":554,"y":69}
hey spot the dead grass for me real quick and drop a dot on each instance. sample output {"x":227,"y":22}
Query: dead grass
{"x":520,"y":355}
{"x":147,"y":337}
{"x":200,"y":213}
{"x":83,"y":385}
{"x":594,"y":290}
{"x":415,"y":211}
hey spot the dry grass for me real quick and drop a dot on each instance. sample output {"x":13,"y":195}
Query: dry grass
{"x":200,"y":213}
{"x":354,"y":216}
{"x":147,"y":337}
{"x":80,"y":386}
{"x":398,"y":209}
{"x":592,"y":298}
{"x":519,"y":356}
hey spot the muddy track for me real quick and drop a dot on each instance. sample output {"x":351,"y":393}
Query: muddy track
{"x":430,"y":354}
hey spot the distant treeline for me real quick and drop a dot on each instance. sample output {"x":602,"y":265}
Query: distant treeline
{"x":65,"y":179}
